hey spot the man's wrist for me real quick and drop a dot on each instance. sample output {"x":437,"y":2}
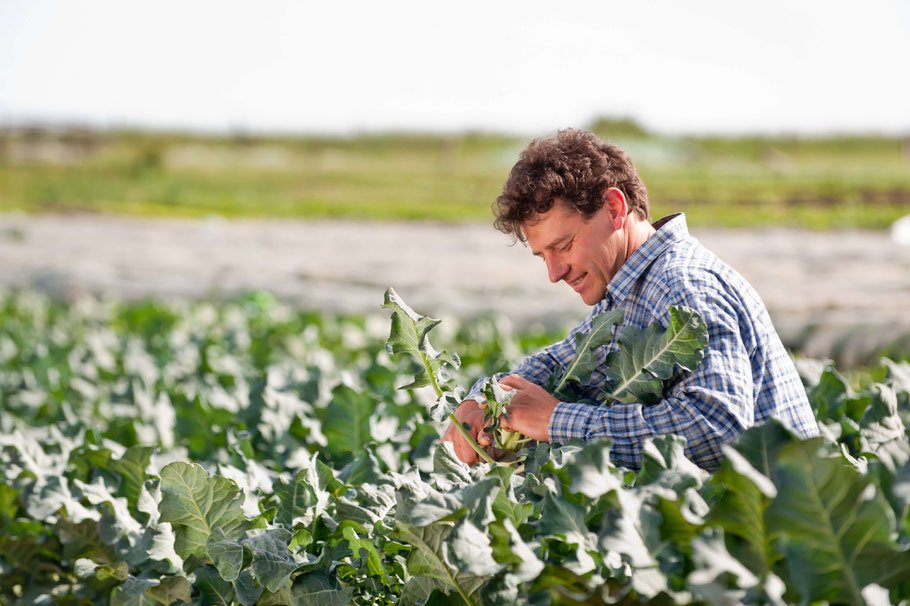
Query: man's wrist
{"x":569,"y":420}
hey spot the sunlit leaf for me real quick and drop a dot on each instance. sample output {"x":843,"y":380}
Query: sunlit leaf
{"x":646,"y":357}
{"x":196,"y":504}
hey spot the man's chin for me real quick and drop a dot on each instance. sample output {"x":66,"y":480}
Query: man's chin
{"x":592,"y":298}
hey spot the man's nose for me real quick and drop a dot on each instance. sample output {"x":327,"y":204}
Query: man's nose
{"x":556,"y":269}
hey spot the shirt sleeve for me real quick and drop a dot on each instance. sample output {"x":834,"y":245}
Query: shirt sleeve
{"x":539,"y":367}
{"x":708,"y":407}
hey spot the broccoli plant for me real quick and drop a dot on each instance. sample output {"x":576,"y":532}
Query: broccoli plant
{"x":645,"y":364}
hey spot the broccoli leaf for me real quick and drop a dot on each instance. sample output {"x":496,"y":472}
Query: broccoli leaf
{"x":583,"y":364}
{"x":648,"y":357}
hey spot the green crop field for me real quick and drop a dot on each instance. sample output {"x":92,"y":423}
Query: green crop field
{"x":819,"y":183}
{"x":245,"y":452}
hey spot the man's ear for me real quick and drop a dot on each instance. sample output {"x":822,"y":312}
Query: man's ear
{"x":617,"y":207}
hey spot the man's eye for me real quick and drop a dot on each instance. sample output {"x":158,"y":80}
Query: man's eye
{"x":566,"y":247}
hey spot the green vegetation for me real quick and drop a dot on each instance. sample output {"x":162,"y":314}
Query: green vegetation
{"x":819,"y":183}
{"x":248,"y":453}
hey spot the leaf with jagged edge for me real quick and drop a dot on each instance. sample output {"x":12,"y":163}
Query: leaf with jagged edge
{"x":632,"y":531}
{"x":591,"y":472}
{"x":366,"y":550}
{"x":882,"y":431}
{"x":834,"y":526}
{"x":475,"y":501}
{"x":648,"y":357}
{"x":134,"y":592}
{"x":664,"y":462}
{"x":431,"y":554}
{"x":195,"y":504}
{"x":141,"y":592}
{"x":718,"y":578}
{"x":226,"y":555}
{"x":583,"y":364}
{"x":272,"y":563}
{"x":409,"y":335}
{"x":565,"y":521}
{"x":116,"y":521}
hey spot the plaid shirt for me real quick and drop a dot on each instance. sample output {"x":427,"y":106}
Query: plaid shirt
{"x":746,"y":375}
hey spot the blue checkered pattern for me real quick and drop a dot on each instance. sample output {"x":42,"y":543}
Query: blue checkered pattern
{"x":746,"y":375}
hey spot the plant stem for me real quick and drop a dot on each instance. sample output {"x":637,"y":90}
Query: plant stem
{"x":480,"y":451}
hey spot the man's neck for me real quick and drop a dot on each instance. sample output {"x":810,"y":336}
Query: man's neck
{"x":638,"y":231}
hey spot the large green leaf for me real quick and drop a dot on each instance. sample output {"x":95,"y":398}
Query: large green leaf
{"x":226,"y":555}
{"x":740,"y":511}
{"x":116,"y":521}
{"x":315,"y":589}
{"x":272,"y":562}
{"x":432,"y":554}
{"x":591,"y":472}
{"x":131,"y":468}
{"x":247,"y":590}
{"x":664,"y":463}
{"x":160,"y":539}
{"x":213,"y":590}
{"x":422,"y":505}
{"x":469,"y":550}
{"x":151,"y":592}
{"x":583,"y":364}
{"x":882,"y":431}
{"x":196,"y":504}
{"x":718,"y":578}
{"x":835,"y":527}
{"x":306,"y":496}
{"x":346,"y":420}
{"x":365,"y":549}
{"x":565,"y":521}
{"x":134,"y":592}
{"x":632,"y":532}
{"x":761,"y":444}
{"x":647,"y":357}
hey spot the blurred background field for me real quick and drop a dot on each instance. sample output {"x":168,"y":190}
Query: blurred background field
{"x":321,"y":152}
{"x":816,"y":182}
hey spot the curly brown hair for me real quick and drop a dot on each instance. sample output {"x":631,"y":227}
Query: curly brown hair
{"x":576,"y":167}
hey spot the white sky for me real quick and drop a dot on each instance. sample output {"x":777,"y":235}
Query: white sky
{"x":520,"y":66}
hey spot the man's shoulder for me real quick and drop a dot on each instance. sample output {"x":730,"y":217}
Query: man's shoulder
{"x":688,"y":261}
{"x":688,"y":274}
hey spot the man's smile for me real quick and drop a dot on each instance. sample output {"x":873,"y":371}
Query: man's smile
{"x":576,"y":283}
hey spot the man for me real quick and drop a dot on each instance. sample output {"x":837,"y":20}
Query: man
{"x":582,"y":208}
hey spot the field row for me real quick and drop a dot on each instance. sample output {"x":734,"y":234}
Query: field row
{"x":250,"y":453}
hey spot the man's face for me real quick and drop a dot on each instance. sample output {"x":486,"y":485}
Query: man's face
{"x":584,"y":254}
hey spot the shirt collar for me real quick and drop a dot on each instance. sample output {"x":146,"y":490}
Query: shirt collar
{"x":670,"y":230}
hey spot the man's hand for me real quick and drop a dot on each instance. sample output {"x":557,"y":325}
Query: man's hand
{"x":468,"y":412}
{"x":530,"y":408}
